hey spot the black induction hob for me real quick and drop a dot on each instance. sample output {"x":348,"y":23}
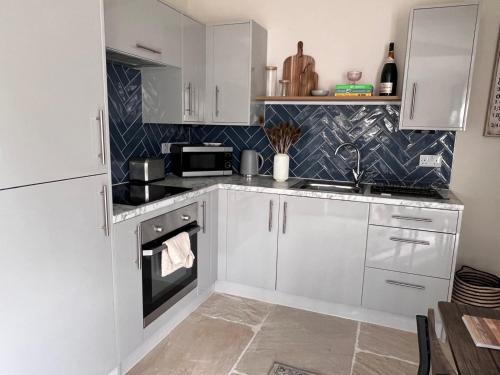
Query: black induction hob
{"x":404,"y":191}
{"x":138,"y":194}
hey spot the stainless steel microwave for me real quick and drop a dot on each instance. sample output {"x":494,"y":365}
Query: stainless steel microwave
{"x":201,"y":160}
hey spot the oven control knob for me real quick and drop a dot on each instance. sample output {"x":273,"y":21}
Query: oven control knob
{"x":158,"y":229}
{"x":186,"y":217}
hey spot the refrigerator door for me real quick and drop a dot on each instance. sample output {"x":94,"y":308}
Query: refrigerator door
{"x":52,"y":91}
{"x":57,"y":314}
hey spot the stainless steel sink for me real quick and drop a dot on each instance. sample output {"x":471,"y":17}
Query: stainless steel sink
{"x":328,"y":186}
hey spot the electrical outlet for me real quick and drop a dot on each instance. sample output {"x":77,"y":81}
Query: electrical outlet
{"x":430,"y":161}
{"x":165,"y":148}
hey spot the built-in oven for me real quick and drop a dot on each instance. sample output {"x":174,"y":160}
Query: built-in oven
{"x":201,"y":160}
{"x":160,"y":293}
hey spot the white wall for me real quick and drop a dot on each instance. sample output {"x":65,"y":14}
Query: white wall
{"x":327,"y":28}
{"x":341,"y":35}
{"x":476,"y":168}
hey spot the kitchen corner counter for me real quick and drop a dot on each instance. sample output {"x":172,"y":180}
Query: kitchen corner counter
{"x":266,"y":184}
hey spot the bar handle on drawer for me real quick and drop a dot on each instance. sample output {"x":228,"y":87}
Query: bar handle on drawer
{"x":405,"y":285}
{"x":407,"y":240}
{"x":412,"y":218}
{"x":139,"y":247}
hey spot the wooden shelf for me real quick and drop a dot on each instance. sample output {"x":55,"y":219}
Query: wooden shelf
{"x":329,"y":98}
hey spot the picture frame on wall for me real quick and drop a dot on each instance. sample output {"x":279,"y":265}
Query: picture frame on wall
{"x":492,"y":126}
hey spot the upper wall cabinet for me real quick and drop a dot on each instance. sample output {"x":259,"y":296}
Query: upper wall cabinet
{"x":236,"y":61}
{"x":143,"y":32}
{"x":439,"y":59}
{"x":193,"y":70}
{"x":171,"y":95}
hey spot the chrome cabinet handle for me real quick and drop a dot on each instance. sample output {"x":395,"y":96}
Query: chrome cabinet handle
{"x":405,"y":285}
{"x":188,"y":106}
{"x":102,"y":155}
{"x":412,"y":218}
{"x":149,"y":49}
{"x":270,"y":225}
{"x":413,"y":99}
{"x":104,"y":193}
{"x":185,"y":217}
{"x":407,"y":240}
{"x":204,"y":211}
{"x":158,"y":229}
{"x":217,"y":101}
{"x":139,"y":247}
{"x":285,"y":207}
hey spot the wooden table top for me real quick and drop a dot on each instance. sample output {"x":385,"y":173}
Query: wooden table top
{"x":470,"y":359}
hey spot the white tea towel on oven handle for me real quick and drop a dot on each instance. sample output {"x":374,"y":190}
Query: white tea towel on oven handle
{"x":177,"y":254}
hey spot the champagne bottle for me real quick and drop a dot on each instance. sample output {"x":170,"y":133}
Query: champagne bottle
{"x":389,"y":76}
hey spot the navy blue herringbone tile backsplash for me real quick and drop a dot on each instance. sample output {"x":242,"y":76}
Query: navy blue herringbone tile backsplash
{"x":128,"y":135}
{"x":388,"y":154}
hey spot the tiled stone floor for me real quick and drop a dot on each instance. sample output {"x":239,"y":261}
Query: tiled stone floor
{"x":235,"y":336}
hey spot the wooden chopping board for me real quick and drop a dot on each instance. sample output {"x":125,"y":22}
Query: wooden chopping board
{"x":294,"y":66}
{"x":308,"y":81}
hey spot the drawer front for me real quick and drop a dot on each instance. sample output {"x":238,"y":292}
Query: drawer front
{"x":414,"y":218}
{"x":402,"y":293}
{"x":411,"y":251}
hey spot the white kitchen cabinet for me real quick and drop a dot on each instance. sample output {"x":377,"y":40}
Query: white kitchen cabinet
{"x":128,"y":286}
{"x":193,"y":70}
{"x":321,"y":249}
{"x":58,"y":313}
{"x":143,"y":32}
{"x":172,"y":95}
{"x":252,"y":230}
{"x":236,"y":60}
{"x":412,"y":251}
{"x":438,"y":72}
{"x":402,"y":293}
{"x":52,"y":93}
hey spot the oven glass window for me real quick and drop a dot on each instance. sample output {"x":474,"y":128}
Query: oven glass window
{"x":158,"y":290}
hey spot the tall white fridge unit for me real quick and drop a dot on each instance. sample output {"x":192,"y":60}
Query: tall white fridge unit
{"x":57,"y":314}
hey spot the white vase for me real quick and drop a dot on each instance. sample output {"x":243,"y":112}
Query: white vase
{"x":281,"y":167}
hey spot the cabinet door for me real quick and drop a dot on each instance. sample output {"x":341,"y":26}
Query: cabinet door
{"x":252,"y":227}
{"x":168,"y":33}
{"x":321,"y":249}
{"x":438,"y":68}
{"x":51,"y":92}
{"x":57,"y":312}
{"x":148,"y":29}
{"x":231,"y":73}
{"x":193,"y":70}
{"x":128,"y":286}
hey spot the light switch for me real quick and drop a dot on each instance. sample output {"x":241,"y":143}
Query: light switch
{"x":430,"y":161}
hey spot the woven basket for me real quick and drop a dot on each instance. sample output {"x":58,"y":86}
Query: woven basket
{"x":476,"y":288}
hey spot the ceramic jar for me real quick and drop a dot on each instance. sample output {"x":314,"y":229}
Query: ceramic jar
{"x":280,"y":167}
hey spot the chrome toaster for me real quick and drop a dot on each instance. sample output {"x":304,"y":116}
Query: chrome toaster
{"x":146,"y":169}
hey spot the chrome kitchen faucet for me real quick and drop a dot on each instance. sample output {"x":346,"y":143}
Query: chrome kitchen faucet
{"x":357,"y":173}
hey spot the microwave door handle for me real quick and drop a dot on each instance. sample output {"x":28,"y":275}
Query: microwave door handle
{"x":159,"y":249}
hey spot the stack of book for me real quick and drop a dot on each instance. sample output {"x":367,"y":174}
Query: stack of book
{"x":353,"y":90}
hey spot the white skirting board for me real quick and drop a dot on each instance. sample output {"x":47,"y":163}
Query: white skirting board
{"x":343,"y":311}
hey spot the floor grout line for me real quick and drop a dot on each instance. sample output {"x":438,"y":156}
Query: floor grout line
{"x":252,"y":326}
{"x":256,"y":330}
{"x":387,"y":356}
{"x":358,"y":329}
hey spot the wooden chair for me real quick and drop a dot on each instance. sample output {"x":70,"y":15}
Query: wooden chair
{"x":432,"y":358}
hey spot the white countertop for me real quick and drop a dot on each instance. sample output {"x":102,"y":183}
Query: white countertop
{"x":266,"y":184}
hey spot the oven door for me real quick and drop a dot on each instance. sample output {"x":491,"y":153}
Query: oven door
{"x":160,"y":293}
{"x":213,"y":163}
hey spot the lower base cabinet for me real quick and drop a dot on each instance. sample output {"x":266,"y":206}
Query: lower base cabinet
{"x":321,"y":249}
{"x":402,"y":293}
{"x":252,"y":220}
